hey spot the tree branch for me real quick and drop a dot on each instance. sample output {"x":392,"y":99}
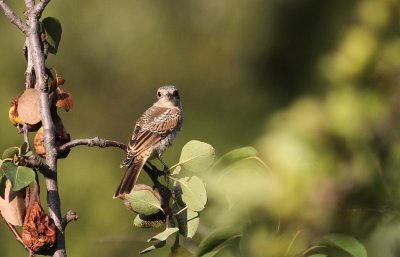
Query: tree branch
{"x":36,"y":163}
{"x":39,"y":7}
{"x":14,"y":19}
{"x":53,"y":197}
{"x":96,"y":141}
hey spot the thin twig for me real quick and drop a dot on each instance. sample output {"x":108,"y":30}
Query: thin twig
{"x":14,"y":19}
{"x":164,"y":191}
{"x":70,"y":216}
{"x":96,"y":141}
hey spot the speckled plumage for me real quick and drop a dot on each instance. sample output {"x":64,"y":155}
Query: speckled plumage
{"x":153,"y":133}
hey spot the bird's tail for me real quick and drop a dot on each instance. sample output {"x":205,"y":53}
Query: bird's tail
{"x":130,"y":177}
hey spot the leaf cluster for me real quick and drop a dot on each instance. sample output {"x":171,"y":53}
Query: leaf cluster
{"x":189,"y":198}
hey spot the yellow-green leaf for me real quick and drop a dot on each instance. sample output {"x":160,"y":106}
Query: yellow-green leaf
{"x":197,"y":156}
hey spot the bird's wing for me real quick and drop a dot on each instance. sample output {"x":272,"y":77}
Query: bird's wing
{"x":155,"y":124}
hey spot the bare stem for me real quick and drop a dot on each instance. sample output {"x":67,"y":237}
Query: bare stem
{"x":70,"y":216}
{"x":14,"y":19}
{"x":96,"y":141}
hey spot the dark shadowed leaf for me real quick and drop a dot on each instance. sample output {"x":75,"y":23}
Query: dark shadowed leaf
{"x":53,"y":30}
{"x":346,"y":243}
{"x":3,"y":180}
{"x":188,"y":222}
{"x":10,"y":152}
{"x":236,"y":155}
{"x":197,"y":156}
{"x":194,"y":193}
{"x":143,"y":221}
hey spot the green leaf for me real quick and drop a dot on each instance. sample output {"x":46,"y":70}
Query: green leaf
{"x":10,"y":152}
{"x":318,"y":255}
{"x":216,"y":240}
{"x":155,"y":246}
{"x":20,"y":176}
{"x":143,"y":200}
{"x":53,"y":30}
{"x":197,"y":156}
{"x":3,"y":180}
{"x":8,"y":167}
{"x":152,"y":221}
{"x":346,"y":243}
{"x":236,"y":155}
{"x":194,"y":193}
{"x":164,"y":235}
{"x":28,"y":154}
{"x":177,"y":170}
{"x":188,"y":222}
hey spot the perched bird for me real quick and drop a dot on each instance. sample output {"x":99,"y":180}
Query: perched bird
{"x":153,"y":134}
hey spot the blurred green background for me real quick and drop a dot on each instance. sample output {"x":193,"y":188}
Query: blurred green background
{"x":313,"y":85}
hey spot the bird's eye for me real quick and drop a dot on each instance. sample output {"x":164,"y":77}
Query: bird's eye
{"x":175,"y":93}
{"x":159,"y":94}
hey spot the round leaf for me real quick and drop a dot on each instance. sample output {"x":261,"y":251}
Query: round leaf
{"x":194,"y":193}
{"x":197,"y":156}
{"x":143,"y":200}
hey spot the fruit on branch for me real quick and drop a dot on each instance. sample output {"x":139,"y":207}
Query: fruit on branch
{"x":38,"y":143}
{"x":38,"y":231}
{"x":15,"y":118}
{"x":62,"y":137}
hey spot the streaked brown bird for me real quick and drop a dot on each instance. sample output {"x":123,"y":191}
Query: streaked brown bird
{"x":153,"y":134}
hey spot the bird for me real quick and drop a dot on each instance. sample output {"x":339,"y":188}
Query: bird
{"x":154,"y":132}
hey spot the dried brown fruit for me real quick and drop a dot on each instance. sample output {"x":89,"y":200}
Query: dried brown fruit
{"x":29,"y":106}
{"x":38,"y":231}
{"x":38,"y":143}
{"x":16,"y":119}
{"x":12,"y":207}
{"x":64,"y":100}
{"x":56,"y":82}
{"x":62,"y":137}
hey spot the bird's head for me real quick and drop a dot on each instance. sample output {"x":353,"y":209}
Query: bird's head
{"x":168,"y":96}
